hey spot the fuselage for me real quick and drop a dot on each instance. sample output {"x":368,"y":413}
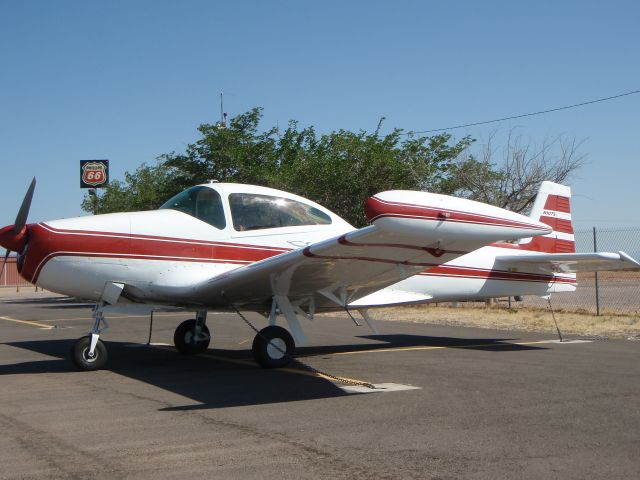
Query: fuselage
{"x":221,"y":227}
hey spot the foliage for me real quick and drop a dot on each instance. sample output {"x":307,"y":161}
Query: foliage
{"x":339,"y":170}
{"x":145,"y":189}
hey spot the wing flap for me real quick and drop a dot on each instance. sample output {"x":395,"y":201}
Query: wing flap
{"x":391,"y":296}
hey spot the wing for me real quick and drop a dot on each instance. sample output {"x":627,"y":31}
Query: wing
{"x":571,"y":262}
{"x":411,"y":231}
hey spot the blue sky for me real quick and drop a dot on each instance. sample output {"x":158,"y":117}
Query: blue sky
{"x":131,"y":80}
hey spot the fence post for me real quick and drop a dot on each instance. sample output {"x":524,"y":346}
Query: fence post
{"x":595,"y":249}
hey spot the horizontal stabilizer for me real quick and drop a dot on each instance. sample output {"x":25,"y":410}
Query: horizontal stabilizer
{"x":571,"y":262}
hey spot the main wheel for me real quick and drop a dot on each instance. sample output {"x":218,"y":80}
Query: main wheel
{"x":186,"y":340}
{"x":273,"y":347}
{"x":81,"y":358}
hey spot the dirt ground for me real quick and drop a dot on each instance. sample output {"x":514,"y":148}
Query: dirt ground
{"x":517,"y":318}
{"x":617,"y":293}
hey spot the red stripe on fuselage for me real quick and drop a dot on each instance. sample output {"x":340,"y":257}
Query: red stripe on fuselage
{"x":135,"y":236}
{"x":46,"y":243}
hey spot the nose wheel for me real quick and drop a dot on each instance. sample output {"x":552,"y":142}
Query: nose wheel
{"x":86,"y":358}
{"x":89,"y":353}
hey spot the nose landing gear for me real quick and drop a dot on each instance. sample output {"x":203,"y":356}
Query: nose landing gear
{"x":89,"y":353}
{"x":87,"y":358}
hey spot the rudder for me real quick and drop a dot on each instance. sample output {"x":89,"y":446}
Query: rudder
{"x":553,"y":207}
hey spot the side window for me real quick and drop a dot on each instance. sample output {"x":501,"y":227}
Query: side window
{"x":200,"y":202}
{"x":257,"y":212}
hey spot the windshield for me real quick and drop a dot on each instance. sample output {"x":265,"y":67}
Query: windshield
{"x":200,"y":202}
{"x":255,"y":212}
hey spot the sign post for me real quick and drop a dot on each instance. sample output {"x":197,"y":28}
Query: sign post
{"x":94,"y":174}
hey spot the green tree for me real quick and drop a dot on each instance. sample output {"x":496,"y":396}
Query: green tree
{"x":145,"y":189}
{"x":339,"y":170}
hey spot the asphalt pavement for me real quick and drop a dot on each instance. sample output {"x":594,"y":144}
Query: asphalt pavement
{"x":453,"y":403}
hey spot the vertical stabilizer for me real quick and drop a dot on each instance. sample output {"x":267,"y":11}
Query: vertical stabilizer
{"x":553,"y":207}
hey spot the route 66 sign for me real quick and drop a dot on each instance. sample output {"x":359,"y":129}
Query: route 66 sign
{"x":94,"y":173}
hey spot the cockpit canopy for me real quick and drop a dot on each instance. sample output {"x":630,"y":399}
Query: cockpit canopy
{"x":201,"y":202}
{"x":248,"y":210}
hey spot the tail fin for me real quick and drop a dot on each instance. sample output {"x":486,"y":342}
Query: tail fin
{"x":552,"y":206}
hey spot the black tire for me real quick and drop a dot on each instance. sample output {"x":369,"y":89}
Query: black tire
{"x":273,"y":355}
{"x":80,"y":355}
{"x":186,"y":342}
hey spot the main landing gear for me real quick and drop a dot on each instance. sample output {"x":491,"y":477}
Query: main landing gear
{"x":273,"y":347}
{"x":192,"y":336}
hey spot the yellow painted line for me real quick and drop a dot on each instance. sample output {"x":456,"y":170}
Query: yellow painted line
{"x":109,"y":317}
{"x":397,"y":349}
{"x":237,"y":361}
{"x":436,"y":347}
{"x":251,"y":363}
{"x":27,"y":322}
{"x":296,"y":371}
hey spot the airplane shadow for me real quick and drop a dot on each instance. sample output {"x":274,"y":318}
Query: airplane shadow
{"x":210,"y":382}
{"x":217,"y":379}
{"x":406,"y":341}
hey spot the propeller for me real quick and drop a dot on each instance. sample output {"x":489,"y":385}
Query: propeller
{"x":21,"y":218}
{"x":13,"y":237}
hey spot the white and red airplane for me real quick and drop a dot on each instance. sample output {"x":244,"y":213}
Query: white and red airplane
{"x":222,"y":245}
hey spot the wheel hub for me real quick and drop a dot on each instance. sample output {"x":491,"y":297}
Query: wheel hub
{"x":276,"y":348}
{"x":193,"y":338}
{"x":88,"y":356}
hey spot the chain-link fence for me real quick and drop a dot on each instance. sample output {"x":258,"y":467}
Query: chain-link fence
{"x":604,"y":292}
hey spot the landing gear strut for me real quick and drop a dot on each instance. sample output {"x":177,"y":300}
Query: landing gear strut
{"x":192,"y":336}
{"x":89,"y":353}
